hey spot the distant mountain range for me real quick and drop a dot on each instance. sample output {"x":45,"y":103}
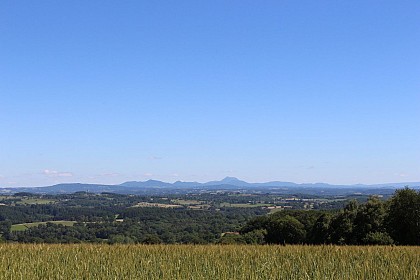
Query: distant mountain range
{"x":232,"y":181}
{"x":228,"y":183}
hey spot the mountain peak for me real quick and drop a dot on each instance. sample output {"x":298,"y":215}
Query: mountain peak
{"x":230,"y":179}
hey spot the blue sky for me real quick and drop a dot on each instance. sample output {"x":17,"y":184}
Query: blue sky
{"x":303,"y":91}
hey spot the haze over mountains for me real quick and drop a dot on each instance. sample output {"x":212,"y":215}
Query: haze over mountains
{"x":232,"y":181}
{"x":228,"y":183}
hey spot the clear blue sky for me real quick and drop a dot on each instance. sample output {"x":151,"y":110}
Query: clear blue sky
{"x":303,"y":91}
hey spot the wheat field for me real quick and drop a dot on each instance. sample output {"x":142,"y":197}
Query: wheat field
{"x":42,"y":261}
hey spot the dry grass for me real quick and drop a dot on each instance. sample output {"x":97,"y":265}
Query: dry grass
{"x":24,"y":261}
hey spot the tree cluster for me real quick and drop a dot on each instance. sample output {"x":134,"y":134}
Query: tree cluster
{"x":396,"y":221}
{"x":112,"y":219}
{"x":134,"y":225}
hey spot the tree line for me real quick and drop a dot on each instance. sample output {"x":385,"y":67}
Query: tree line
{"x":134,"y":225}
{"x":396,"y":221}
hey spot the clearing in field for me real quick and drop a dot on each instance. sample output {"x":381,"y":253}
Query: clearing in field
{"x":25,"y":226}
{"x":244,"y":205}
{"x":29,"y":201}
{"x":159,"y":205}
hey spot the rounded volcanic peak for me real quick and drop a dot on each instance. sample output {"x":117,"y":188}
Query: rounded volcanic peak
{"x":233,"y":181}
{"x":230,"y":180}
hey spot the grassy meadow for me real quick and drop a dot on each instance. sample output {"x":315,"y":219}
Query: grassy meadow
{"x":25,"y":226}
{"x":29,"y":261}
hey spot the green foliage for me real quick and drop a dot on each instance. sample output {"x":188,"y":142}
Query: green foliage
{"x":320,"y":232}
{"x":375,"y":223}
{"x":229,"y":239}
{"x":285,"y":230}
{"x":403,"y":218}
{"x":120,"y":239}
{"x":378,"y":238}
{"x":110,"y":218}
{"x":255,"y":237}
{"x":257,"y":223}
{"x":369,"y":223}
{"x":342,"y":225}
{"x":135,"y":225}
{"x":151,"y":239}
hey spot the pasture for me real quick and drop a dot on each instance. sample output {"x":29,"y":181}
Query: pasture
{"x":25,"y":226}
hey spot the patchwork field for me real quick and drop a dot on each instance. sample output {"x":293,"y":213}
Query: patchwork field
{"x":20,"y":261}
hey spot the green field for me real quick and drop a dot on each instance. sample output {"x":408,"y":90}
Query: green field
{"x":20,"y":261}
{"x":25,"y":226}
{"x":186,"y":201}
{"x":29,"y":201}
{"x":244,"y":205}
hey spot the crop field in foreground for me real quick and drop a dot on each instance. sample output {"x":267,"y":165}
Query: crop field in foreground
{"x":27,"y":261}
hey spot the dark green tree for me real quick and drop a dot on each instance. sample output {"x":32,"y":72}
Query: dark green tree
{"x":370,"y":220}
{"x":320,"y":231}
{"x":256,"y":223}
{"x":342,"y":225}
{"x":286,"y":230}
{"x":403,"y":219}
{"x":255,"y":237}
